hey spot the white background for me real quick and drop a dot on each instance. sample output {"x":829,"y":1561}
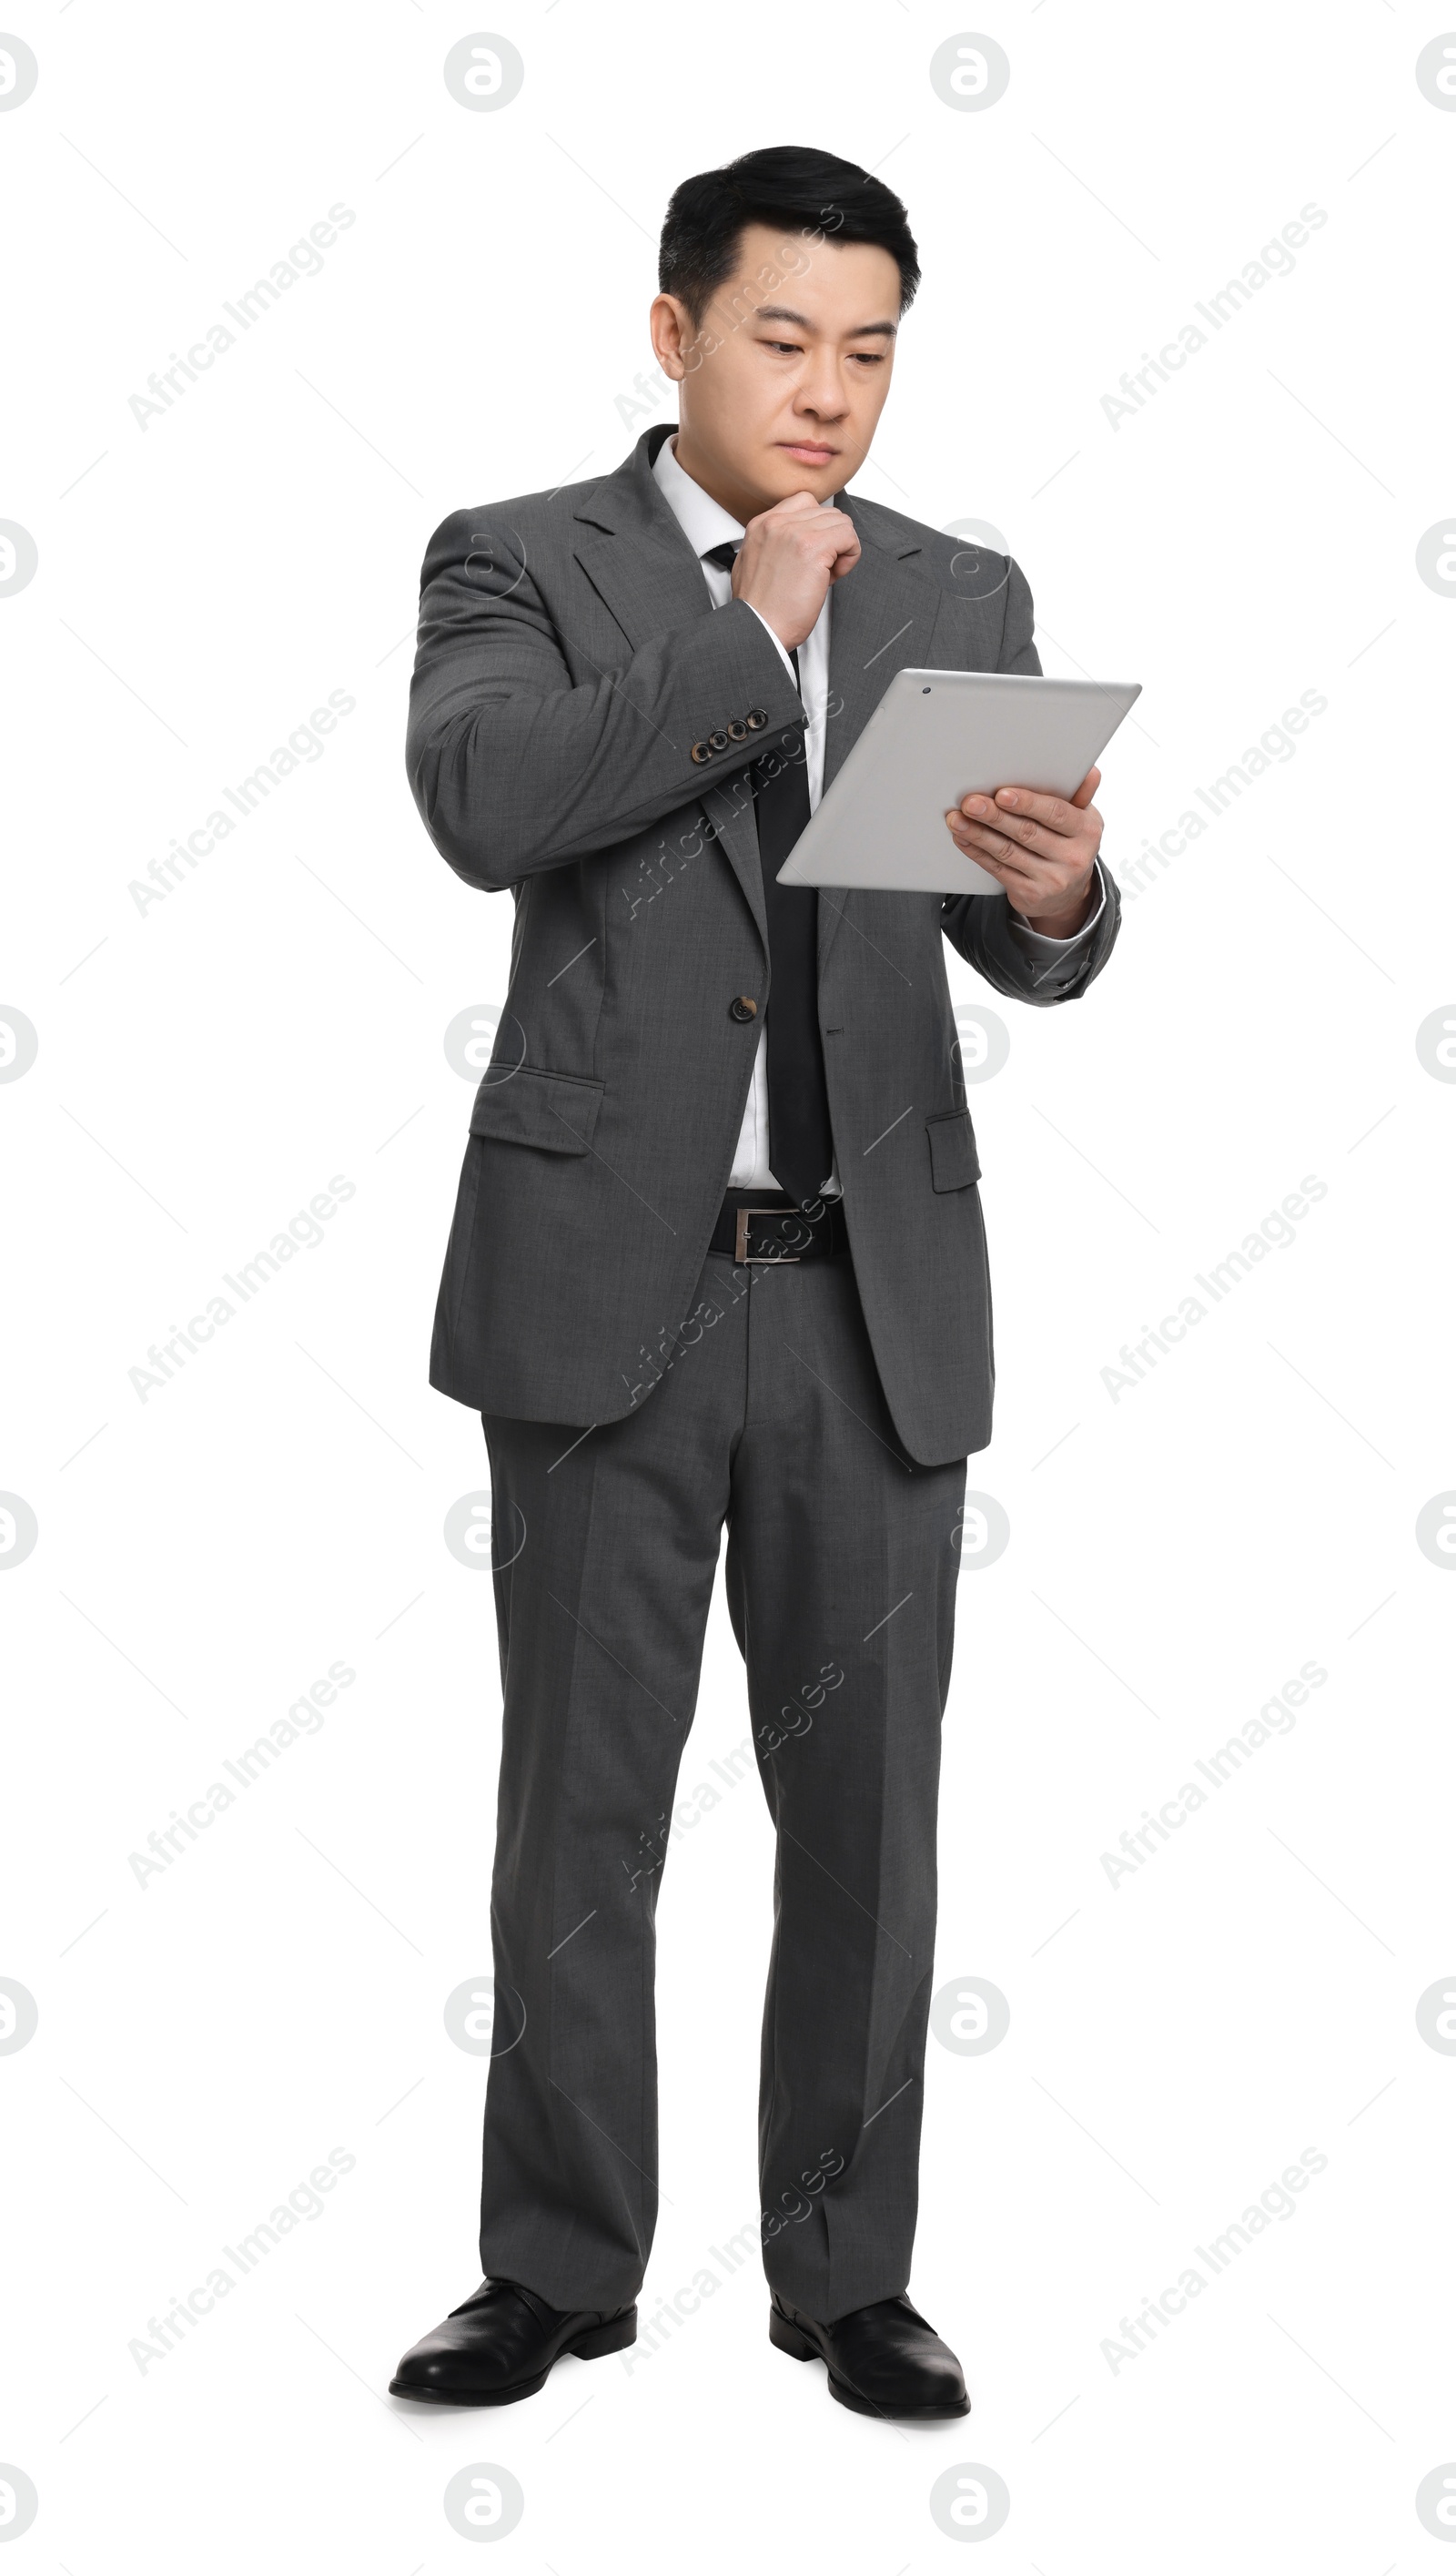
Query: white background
{"x":206,"y":1065}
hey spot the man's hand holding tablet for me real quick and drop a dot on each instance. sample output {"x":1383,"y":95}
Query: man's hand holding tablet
{"x":1040,"y":848}
{"x":917,"y":805}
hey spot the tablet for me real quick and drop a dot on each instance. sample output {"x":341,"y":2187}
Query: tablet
{"x":935,"y":737}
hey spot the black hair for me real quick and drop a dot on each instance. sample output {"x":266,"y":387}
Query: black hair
{"x":792,"y":188}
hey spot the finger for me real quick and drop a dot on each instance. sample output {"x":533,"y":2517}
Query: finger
{"x":816,"y":529}
{"x":1050,"y":824}
{"x":1075,"y":837}
{"x":1034,"y":838}
{"x":793,"y":506}
{"x":1015,"y":809}
{"x":976,"y":838}
{"x":1020,"y":873}
{"x":1088,"y":788}
{"x":1054,"y":813}
{"x":1024,"y":888}
{"x":989,"y":850}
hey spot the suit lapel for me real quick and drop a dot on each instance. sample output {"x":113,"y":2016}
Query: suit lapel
{"x":634,"y":554}
{"x":649,"y":580}
{"x":630,"y":548}
{"x":881,"y":617}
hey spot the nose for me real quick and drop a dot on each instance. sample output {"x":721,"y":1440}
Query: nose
{"x":822,"y":396}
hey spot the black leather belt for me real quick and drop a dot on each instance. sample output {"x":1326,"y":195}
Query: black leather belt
{"x":765,"y":1225}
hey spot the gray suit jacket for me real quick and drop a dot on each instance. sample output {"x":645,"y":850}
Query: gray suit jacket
{"x":570,"y":672}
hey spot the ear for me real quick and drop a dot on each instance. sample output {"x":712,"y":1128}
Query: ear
{"x":673,"y":333}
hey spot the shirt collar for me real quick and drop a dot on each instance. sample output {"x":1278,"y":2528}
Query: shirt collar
{"x":703,"y":521}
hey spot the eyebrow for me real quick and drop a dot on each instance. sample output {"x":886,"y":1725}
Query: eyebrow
{"x":783,"y":313}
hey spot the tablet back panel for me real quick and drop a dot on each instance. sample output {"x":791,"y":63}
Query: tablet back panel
{"x":935,"y":737}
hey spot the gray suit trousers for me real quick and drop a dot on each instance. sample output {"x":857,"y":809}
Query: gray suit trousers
{"x":842,"y":1563}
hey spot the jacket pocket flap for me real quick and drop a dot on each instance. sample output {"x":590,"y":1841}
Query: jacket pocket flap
{"x":953,"y":1161}
{"x":554,"y":1111}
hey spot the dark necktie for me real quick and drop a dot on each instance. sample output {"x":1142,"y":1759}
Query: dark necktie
{"x":801,"y":1143}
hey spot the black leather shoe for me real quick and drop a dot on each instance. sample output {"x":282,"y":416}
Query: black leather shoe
{"x":883,"y":2360}
{"x":502,"y":2344}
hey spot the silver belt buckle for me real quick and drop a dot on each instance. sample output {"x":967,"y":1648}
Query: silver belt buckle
{"x":741,"y":1252}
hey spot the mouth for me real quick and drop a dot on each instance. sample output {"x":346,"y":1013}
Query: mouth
{"x":808,"y":451}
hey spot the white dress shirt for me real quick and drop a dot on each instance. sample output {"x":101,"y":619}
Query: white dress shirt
{"x":704,"y":522}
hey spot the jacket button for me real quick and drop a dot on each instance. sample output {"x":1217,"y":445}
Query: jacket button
{"x":717,"y":741}
{"x":700,"y":753}
{"x":757,"y":719}
{"x":743,"y":1007}
{"x":738,"y":730}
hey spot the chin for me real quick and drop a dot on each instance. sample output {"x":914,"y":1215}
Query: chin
{"x":789,"y":474}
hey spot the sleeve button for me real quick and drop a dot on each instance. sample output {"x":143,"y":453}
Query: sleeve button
{"x":700,"y":753}
{"x":757,"y":719}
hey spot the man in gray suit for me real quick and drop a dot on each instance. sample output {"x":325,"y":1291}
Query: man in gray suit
{"x":718,"y":1258}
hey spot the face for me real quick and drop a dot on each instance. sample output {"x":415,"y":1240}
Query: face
{"x":784,"y":379}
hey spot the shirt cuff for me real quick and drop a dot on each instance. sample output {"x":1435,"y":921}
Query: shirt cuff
{"x":779,"y":646}
{"x":1037,"y":941}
